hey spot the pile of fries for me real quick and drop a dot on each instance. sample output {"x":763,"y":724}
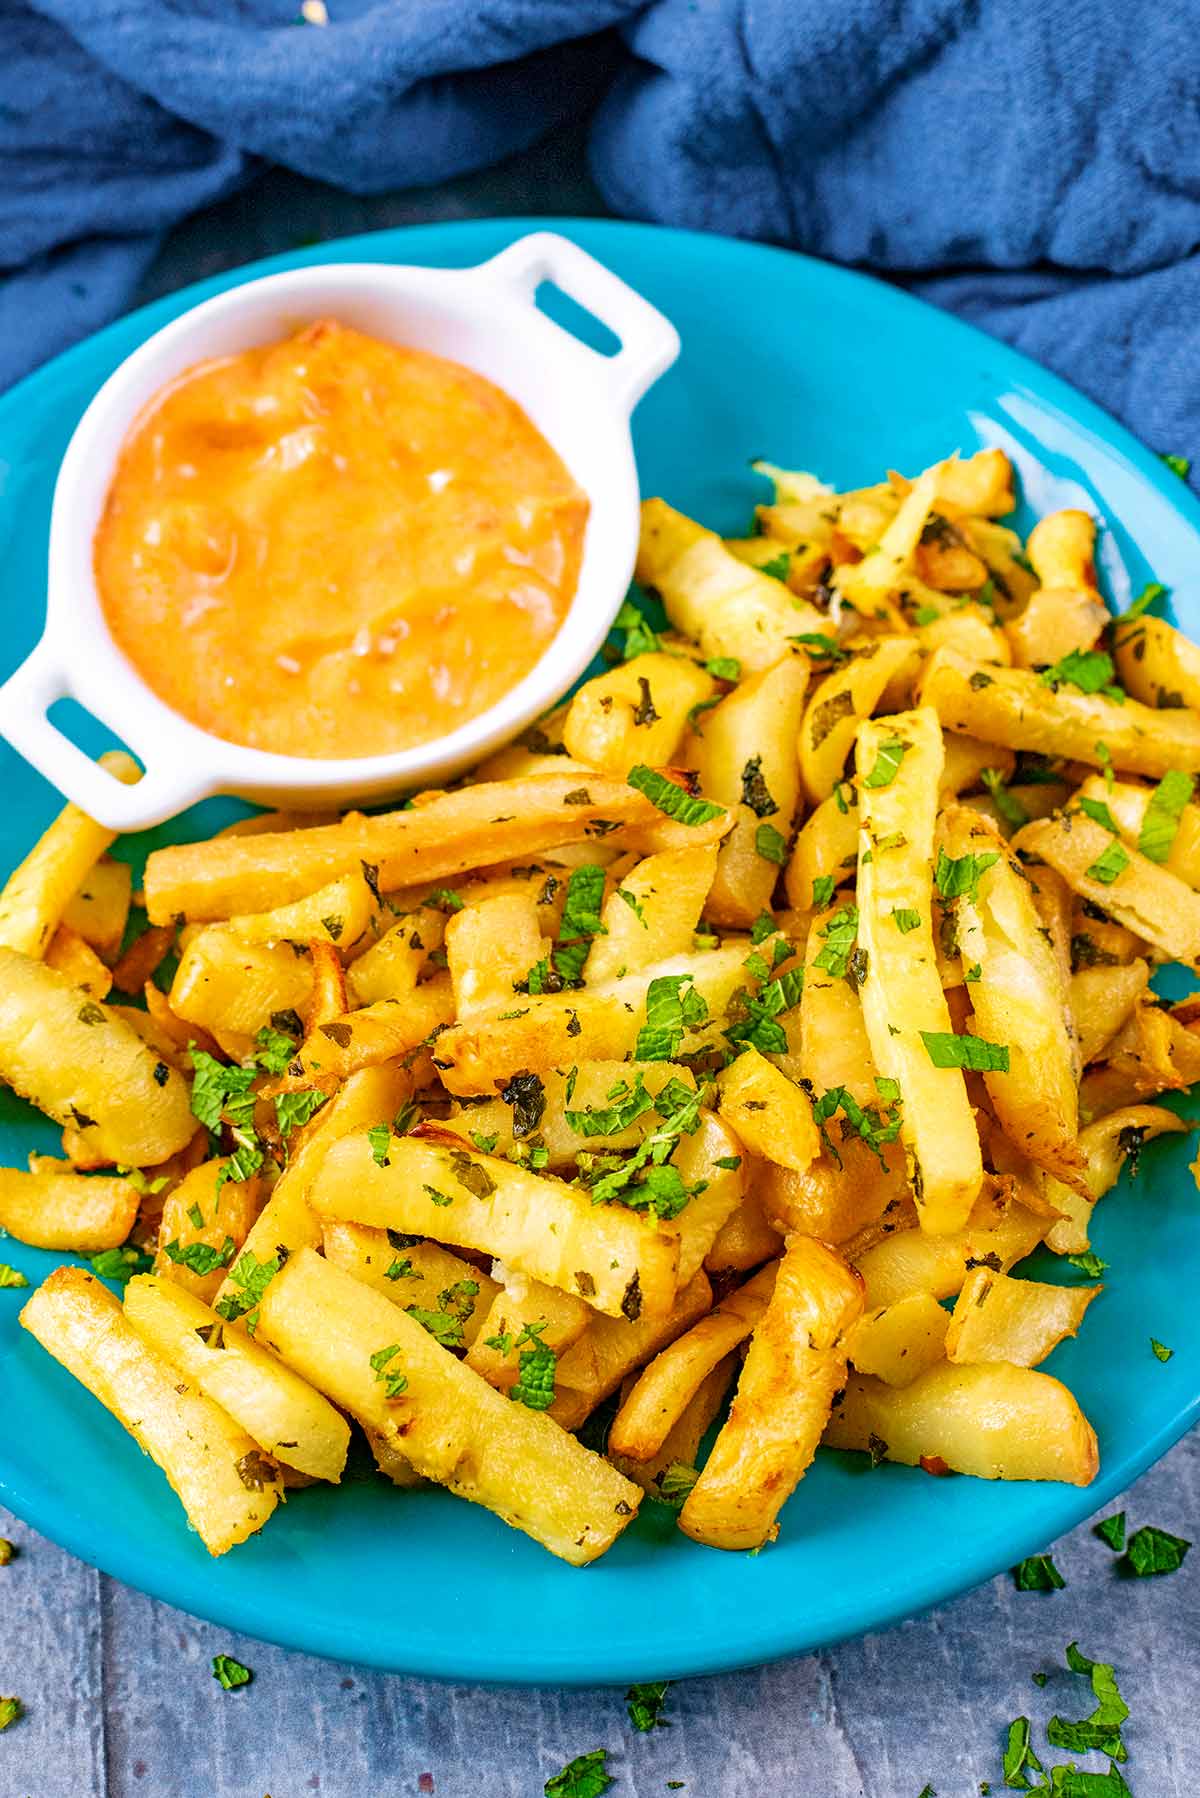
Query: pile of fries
{"x":786,"y":983}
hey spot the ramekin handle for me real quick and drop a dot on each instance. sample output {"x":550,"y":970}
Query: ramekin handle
{"x":649,"y":341}
{"x":25,"y":701}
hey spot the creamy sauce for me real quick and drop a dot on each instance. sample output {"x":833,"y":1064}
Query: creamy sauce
{"x":334,"y":546}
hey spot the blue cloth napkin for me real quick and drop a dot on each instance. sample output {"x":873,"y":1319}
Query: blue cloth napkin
{"x":1032,"y":164}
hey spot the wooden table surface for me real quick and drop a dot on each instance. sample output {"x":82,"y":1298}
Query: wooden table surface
{"x":118,"y":1693}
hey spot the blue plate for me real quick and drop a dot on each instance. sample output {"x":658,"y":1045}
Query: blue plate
{"x":815,"y":368}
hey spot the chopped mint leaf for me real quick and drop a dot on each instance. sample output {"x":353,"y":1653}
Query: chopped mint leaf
{"x":1112,"y":1531}
{"x":948,"y":1050}
{"x":230,"y":1674}
{"x":1154,"y":1551}
{"x":1037,"y":1573}
{"x":645,"y":1703}
{"x":675,"y":801}
{"x":1161,"y":822}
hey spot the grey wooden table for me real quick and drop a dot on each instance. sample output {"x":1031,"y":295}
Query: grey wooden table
{"x":118,"y":1693}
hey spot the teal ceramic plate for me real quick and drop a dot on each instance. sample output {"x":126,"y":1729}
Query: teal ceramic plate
{"x":815,"y":368}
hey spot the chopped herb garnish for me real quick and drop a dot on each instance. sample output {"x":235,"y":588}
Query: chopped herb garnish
{"x":230,"y":1674}
{"x":293,"y":1110}
{"x":584,"y":1777}
{"x":770,"y":844}
{"x":1019,"y":1756}
{"x":1098,"y":812}
{"x":1161,"y":822}
{"x":379,"y":1135}
{"x":887,"y":762}
{"x":273,"y":1049}
{"x":1006,"y":803}
{"x":672,"y":1006}
{"x":1161,"y":1351}
{"x":11,"y":1277}
{"x":755,"y":792}
{"x":1180,"y":465}
{"x":1088,"y":1263}
{"x":395,"y":1384}
{"x":821,"y":648}
{"x":948,"y":1050}
{"x":840,"y":935}
{"x":674,"y":1483}
{"x":253,"y":1276}
{"x":630,"y":1103}
{"x":1038,"y":1574}
{"x":957,"y":877}
{"x":823,"y":891}
{"x":119,"y":1264}
{"x":724,"y":667}
{"x":675,"y":801}
{"x":640,"y":638}
{"x":634,"y":904}
{"x":200,"y":1257}
{"x":1108,"y":866}
{"x":1153,"y":1551}
{"x":645,"y":1703}
{"x":904,"y":919}
{"x":435,"y":1197}
{"x":1090,"y":670}
{"x":535,"y":1381}
{"x":1112,"y":1531}
{"x":526,"y":1095}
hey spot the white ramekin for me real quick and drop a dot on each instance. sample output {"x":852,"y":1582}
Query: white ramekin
{"x":485,"y":317}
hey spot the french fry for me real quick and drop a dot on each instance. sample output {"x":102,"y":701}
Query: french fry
{"x":601,"y":1023}
{"x":945,"y":559}
{"x":1102,"y":1002}
{"x":338,"y":913}
{"x":375,"y":1033}
{"x":1018,"y":996}
{"x":446,"y":1421}
{"x":866,"y":584}
{"x":83,"y":1067}
{"x":795,"y":1365}
{"x":390,"y":968}
{"x":99,"y":908}
{"x":1012,"y":581}
{"x":834,"y":1049}
{"x":1000,"y":1229}
{"x":682,"y":1442}
{"x":826,"y":845}
{"x":490,"y":947}
{"x":966,"y":759}
{"x":636,"y":712}
{"x":70,"y":955}
{"x":611,"y":1347}
{"x":968,"y":631}
{"x":744,"y":753}
{"x":621,"y":1262}
{"x":1017,"y":708}
{"x":769,"y":1113}
{"x":653,"y":912}
{"x":205,"y":1221}
{"x":1104,"y":1145}
{"x":232,"y":989}
{"x":900,"y":1342}
{"x":38,"y":892}
{"x":74,"y":1213}
{"x":287,"y":1221}
{"x":465,"y":829}
{"x":709,"y":1162}
{"x":830,"y":1201}
{"x":1128,"y":804}
{"x":1150,"y":1054}
{"x":225,"y":1483}
{"x":265,"y":823}
{"x":1152,"y":901}
{"x":142,"y":958}
{"x":422,"y":1274}
{"x":663,"y":1391}
{"x":902,"y":999}
{"x":746,"y":1239}
{"x":839,"y":703}
{"x":1066,"y":612}
{"x":283,"y":1414}
{"x":1018,"y":1321}
{"x":1157,"y":664}
{"x":729,"y":608}
{"x":991,"y":1420}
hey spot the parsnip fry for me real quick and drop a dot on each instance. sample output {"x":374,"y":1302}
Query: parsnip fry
{"x":839,"y":703}
{"x":455,"y":1295}
{"x":899,"y":1342}
{"x":1000,"y":1229}
{"x":653,"y":913}
{"x":337,"y":913}
{"x":621,"y":1262}
{"x":283,"y":1414}
{"x":795,"y":1366}
{"x":75,"y":1213}
{"x":992,"y":1420}
{"x":99,"y":908}
{"x":225,"y":1483}
{"x":769,"y":1113}
{"x":1019,"y":1321}
{"x":436,"y":841}
{"x":902,"y":998}
{"x":37,"y":894}
{"x":1152,"y":901}
{"x":385,"y":1369}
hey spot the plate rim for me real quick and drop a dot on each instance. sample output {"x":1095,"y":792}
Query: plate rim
{"x":768,"y":1636}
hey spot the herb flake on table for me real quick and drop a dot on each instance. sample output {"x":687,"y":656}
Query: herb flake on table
{"x":1111,"y":1530}
{"x":1153,"y":1551}
{"x":584,"y":1777}
{"x":230,"y":1674}
{"x":645,"y":1704}
{"x":1037,"y":1573}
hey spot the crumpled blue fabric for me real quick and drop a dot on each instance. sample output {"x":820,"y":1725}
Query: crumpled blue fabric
{"x":1032,"y":164}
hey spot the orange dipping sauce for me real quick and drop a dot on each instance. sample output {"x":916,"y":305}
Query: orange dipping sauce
{"x":334,"y":546}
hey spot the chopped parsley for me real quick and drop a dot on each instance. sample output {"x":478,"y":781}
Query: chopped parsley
{"x":1037,"y":1573}
{"x":584,"y":1777}
{"x":645,"y":1704}
{"x":119,"y":1264}
{"x":823,"y":891}
{"x":11,"y":1277}
{"x":866,"y":1122}
{"x":640,"y":638}
{"x":634,"y":904}
{"x":778,"y":566}
{"x":1089,"y":670}
{"x":644,"y":1181}
{"x":456,"y":1305}
{"x":292,"y":1110}
{"x":724,"y":667}
{"x":905,"y":919}
{"x":230,"y":1674}
{"x":253,"y":1276}
{"x":674,"y":1484}
{"x":1152,"y":1551}
{"x":1161,"y":822}
{"x":1098,"y":812}
{"x":1088,"y":1263}
{"x":580,"y":923}
{"x":378,"y":1136}
{"x":1108,"y":866}
{"x":840,"y":935}
{"x":948,"y":1050}
{"x":1161,"y":1351}
{"x":821,"y":647}
{"x":1104,"y":757}
{"x":200,"y":1257}
{"x":436,"y":1197}
{"x":534,"y":1387}
{"x":273,"y":1049}
{"x":675,"y":801}
{"x":630,"y":1103}
{"x":887,"y":762}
